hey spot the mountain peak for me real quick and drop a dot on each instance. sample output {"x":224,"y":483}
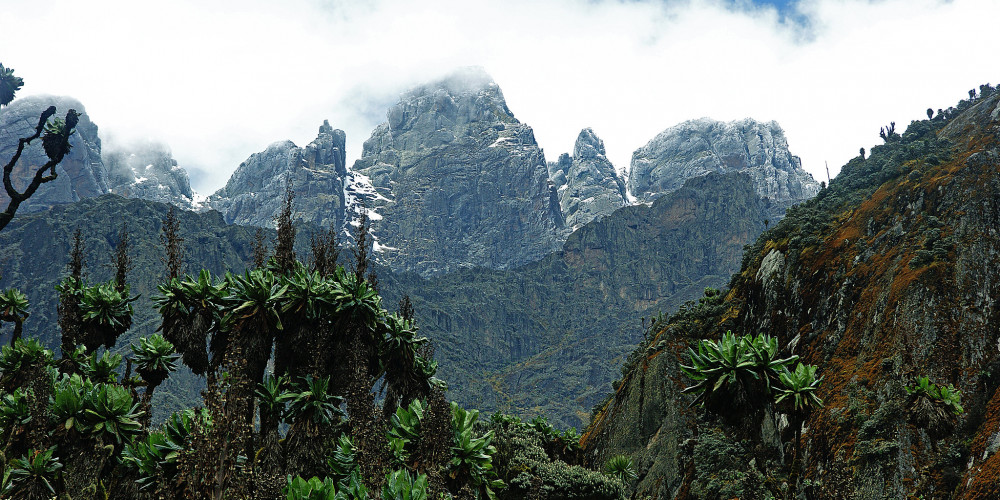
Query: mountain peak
{"x":588,"y":145}
{"x":696,"y":147}
{"x":467,"y":80}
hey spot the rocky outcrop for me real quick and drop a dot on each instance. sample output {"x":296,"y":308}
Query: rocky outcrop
{"x":81,"y":174}
{"x":587,"y":184}
{"x":696,"y":147}
{"x":459,"y":182}
{"x":548,"y":338}
{"x":256,"y":190}
{"x":147,"y":171}
{"x":891,"y":273}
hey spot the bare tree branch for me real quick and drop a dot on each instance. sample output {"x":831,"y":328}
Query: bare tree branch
{"x":57,"y":146}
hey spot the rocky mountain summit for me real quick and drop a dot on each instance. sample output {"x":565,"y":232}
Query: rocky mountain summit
{"x":450,"y":180}
{"x":148,"y":171}
{"x":587,"y":184}
{"x":81,"y":174}
{"x":458,"y":181}
{"x":696,"y":147}
{"x":316,"y":173}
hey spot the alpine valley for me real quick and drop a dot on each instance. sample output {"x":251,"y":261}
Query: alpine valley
{"x":715,"y":322}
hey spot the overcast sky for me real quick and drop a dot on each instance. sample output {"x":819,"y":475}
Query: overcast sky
{"x":219,"y":80}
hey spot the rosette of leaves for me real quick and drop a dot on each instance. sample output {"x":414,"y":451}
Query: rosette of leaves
{"x":252,"y":319}
{"x":933,"y":407}
{"x":103,"y":368}
{"x":407,"y":375}
{"x":157,"y":455}
{"x":356,"y":299}
{"x":14,"y":412}
{"x":472,"y":456}
{"x":272,"y":399}
{"x":734,"y":370}
{"x":310,"y":399}
{"x":32,"y":476}
{"x":342,"y":462}
{"x":55,"y":140}
{"x":308,"y":304}
{"x":155,"y":359}
{"x":22,"y":354}
{"x":763,"y":351}
{"x":400,"y":485}
{"x":14,"y":309}
{"x":404,"y":430}
{"x":67,"y":403}
{"x":621,"y":468}
{"x":106,"y":313}
{"x":308,"y":295}
{"x":109,"y":410}
{"x":256,"y":293}
{"x":799,"y":387}
{"x":189,"y":308}
{"x":947,"y":396}
{"x":313,"y":489}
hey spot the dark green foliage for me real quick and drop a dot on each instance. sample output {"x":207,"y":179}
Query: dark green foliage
{"x":272,"y":399}
{"x":14,"y":410}
{"x":404,"y":430}
{"x":68,"y":401}
{"x":310,"y":399}
{"x":9,"y":85}
{"x":400,"y":485}
{"x":32,"y":476}
{"x":19,"y":356}
{"x":621,"y":467}
{"x":313,"y":489}
{"x":156,"y":457}
{"x":93,"y":413}
{"x":799,"y":388}
{"x":13,"y":309}
{"x":735,"y":371}
{"x":284,"y":249}
{"x":105,"y":312}
{"x":109,"y":410}
{"x":725,"y":469}
{"x":472,"y":455}
{"x":342,"y":462}
{"x":188,"y":310}
{"x":171,"y":240}
{"x":103,"y":368}
{"x":155,"y":359}
{"x":529,"y":466}
{"x":933,"y":407}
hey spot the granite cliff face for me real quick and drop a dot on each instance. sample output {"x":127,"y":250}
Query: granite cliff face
{"x":889,"y":274}
{"x":148,"y":171}
{"x":696,"y":147}
{"x":256,"y":190}
{"x":587,"y":184}
{"x":458,"y":181}
{"x":81,"y":174}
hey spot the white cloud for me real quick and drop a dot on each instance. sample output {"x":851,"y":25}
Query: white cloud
{"x":218,"y":81}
